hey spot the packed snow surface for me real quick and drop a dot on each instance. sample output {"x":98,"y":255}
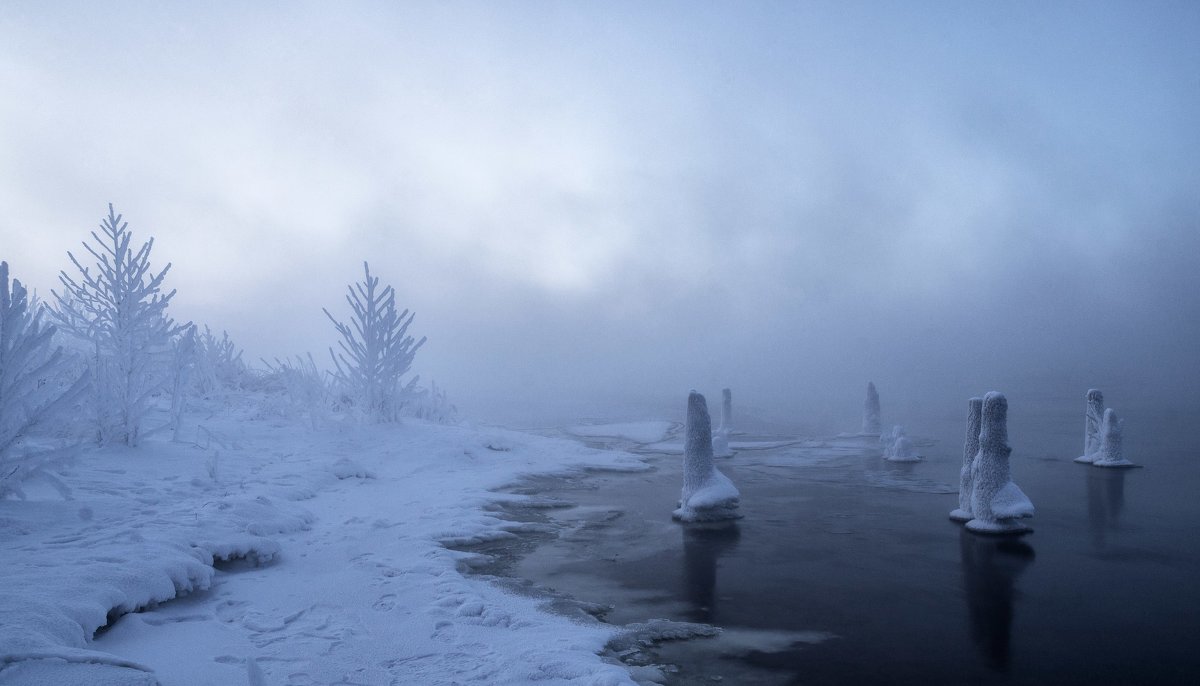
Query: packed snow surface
{"x":337,"y":573}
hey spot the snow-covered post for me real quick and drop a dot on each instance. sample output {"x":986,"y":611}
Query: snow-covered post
{"x":1110,"y":453}
{"x":707,"y":493}
{"x":726,"y":411}
{"x":901,"y":449}
{"x":996,"y":501}
{"x":970,"y":450}
{"x":720,"y":442}
{"x":376,"y":350}
{"x":30,"y":393}
{"x":119,"y":311}
{"x":1093,"y":416}
{"x":871,"y":426}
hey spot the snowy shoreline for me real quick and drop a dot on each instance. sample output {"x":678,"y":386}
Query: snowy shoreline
{"x":349,"y":528}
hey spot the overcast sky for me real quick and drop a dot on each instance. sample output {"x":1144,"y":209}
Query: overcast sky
{"x":593,"y":205}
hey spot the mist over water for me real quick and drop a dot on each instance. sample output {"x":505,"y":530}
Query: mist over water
{"x":593,"y":209}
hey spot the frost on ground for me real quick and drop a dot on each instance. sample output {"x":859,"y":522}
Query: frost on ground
{"x":288,"y":556}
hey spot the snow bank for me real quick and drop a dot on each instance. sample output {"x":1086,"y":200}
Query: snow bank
{"x":345,"y":577}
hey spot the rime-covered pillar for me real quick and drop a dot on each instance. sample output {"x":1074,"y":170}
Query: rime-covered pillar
{"x":697,"y":448}
{"x":1110,"y":453}
{"x":707,"y":495}
{"x":996,"y":502}
{"x":1093,"y":416}
{"x":970,"y":450}
{"x":871,"y":412}
{"x":726,"y":411}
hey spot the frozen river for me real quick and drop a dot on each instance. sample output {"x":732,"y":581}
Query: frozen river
{"x":845,"y":568}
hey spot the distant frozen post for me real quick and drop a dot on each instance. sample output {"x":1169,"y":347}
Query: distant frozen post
{"x":720,"y":442}
{"x":1093,"y":416}
{"x":996,"y":501}
{"x":871,"y":425}
{"x":707,"y":494}
{"x":1110,"y":453}
{"x":900,"y":449}
{"x":726,"y":411}
{"x":970,"y":450}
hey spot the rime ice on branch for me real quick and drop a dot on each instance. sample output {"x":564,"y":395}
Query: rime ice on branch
{"x":871,"y":424}
{"x":33,"y":389}
{"x":120,"y":312}
{"x":1110,"y":453}
{"x":721,"y":435}
{"x":996,"y":502}
{"x":375,"y":352}
{"x":1093,"y":416}
{"x":970,"y":450}
{"x":707,"y":495}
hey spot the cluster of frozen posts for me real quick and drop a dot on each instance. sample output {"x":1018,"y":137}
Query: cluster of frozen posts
{"x":988,"y":500}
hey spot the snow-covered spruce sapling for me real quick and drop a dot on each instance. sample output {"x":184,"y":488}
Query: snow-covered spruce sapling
{"x":376,"y":351}
{"x":707,"y":494}
{"x":29,"y":396}
{"x":996,"y":502}
{"x":183,"y":362}
{"x":120,"y":312}
{"x":970,"y":450}
{"x":219,"y":363}
{"x":305,"y":388}
{"x":1092,"y":419}
{"x":871,"y":424}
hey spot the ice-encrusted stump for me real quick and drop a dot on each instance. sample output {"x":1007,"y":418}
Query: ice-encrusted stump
{"x":970,"y":450}
{"x":996,"y":502}
{"x":726,"y":411}
{"x":720,"y":444}
{"x":888,"y":440}
{"x":1093,"y":416}
{"x":708,"y":495}
{"x":901,"y":449}
{"x":1110,"y":453}
{"x":871,"y":425}
{"x":720,"y":440}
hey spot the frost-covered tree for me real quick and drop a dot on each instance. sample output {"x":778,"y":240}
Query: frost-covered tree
{"x":118,"y":309}
{"x":29,"y":392}
{"x":219,"y":363}
{"x":376,"y":351}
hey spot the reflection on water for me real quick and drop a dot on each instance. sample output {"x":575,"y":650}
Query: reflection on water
{"x":990,"y":570}
{"x":1106,"y":499}
{"x":703,"y":545}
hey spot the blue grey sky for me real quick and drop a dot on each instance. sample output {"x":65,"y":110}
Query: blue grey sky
{"x":595,"y":203}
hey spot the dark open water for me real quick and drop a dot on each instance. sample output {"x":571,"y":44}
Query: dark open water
{"x":846,"y":570}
